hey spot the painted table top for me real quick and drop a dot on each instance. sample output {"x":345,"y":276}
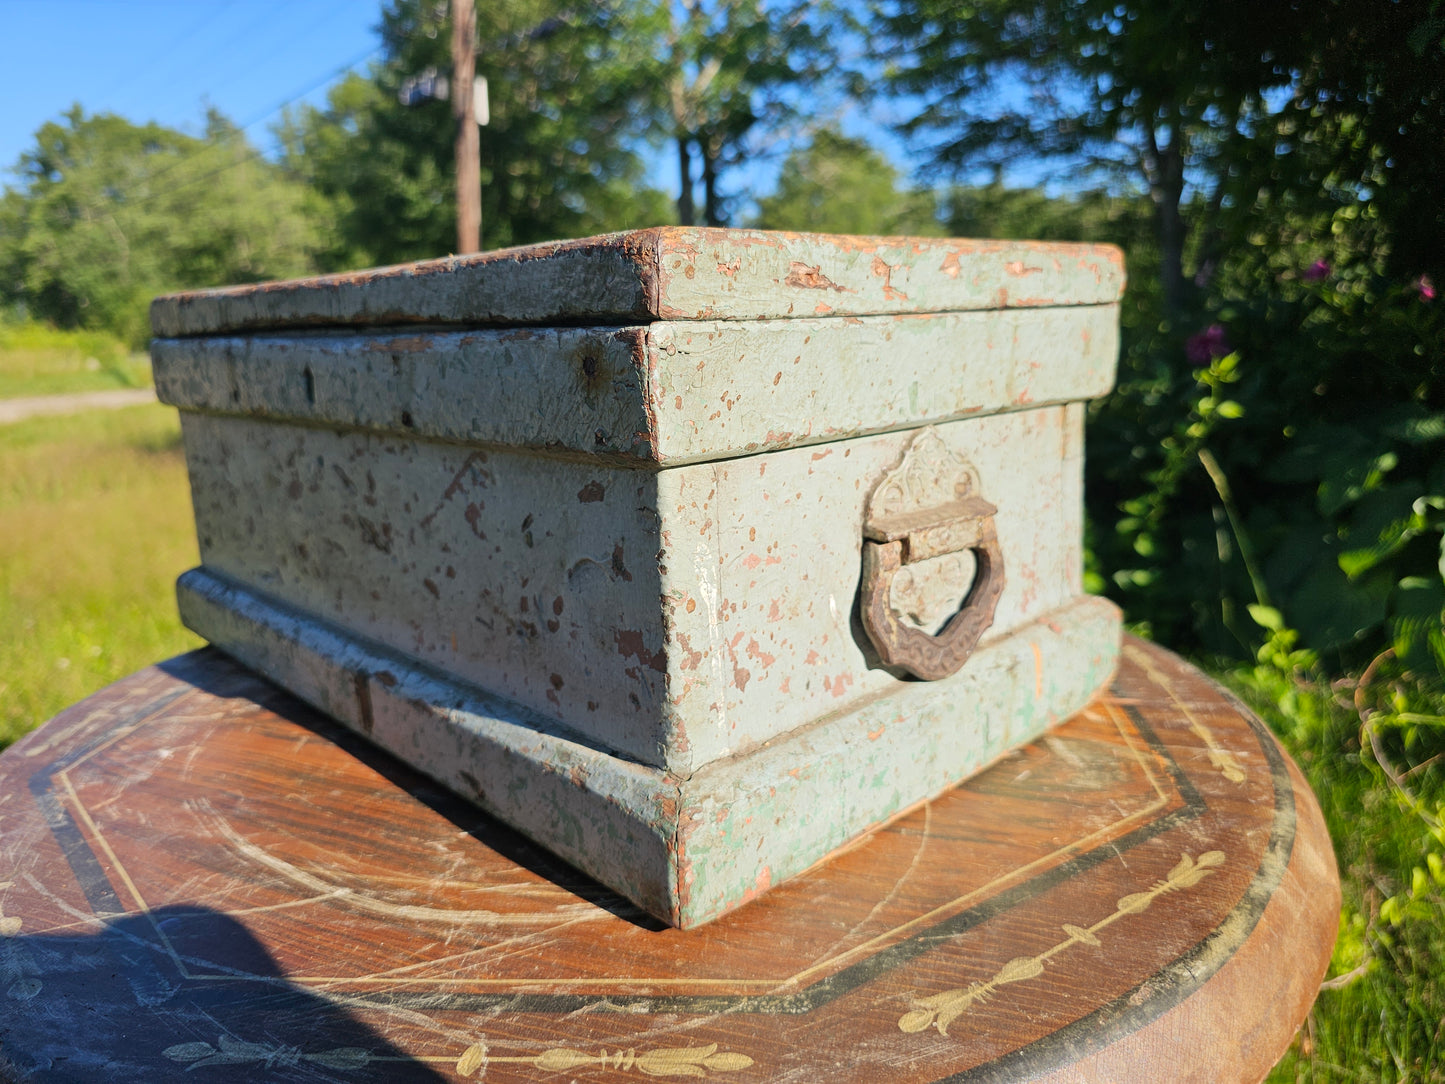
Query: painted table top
{"x":202,"y":879}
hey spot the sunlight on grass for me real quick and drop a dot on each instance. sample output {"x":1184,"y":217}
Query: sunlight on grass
{"x":95,"y":525}
{"x":39,"y":360}
{"x":1384,"y":1021}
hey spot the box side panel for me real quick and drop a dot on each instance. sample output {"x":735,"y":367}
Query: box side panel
{"x":535,"y":579}
{"x":753,"y":821}
{"x":746,"y":274}
{"x":720,"y":390}
{"x":763,"y":565}
{"x":1072,"y":502}
{"x":574,"y":388}
{"x":614,"y":820}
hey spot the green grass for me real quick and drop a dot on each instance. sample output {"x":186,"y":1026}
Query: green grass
{"x":95,"y":525}
{"x":1385,"y":1022}
{"x":40,"y":360}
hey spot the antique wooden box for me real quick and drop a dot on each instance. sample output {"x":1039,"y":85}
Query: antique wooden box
{"x":693,"y":554}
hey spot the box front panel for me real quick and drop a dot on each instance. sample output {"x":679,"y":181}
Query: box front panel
{"x":720,"y":389}
{"x":534,"y":578}
{"x":763,"y":561}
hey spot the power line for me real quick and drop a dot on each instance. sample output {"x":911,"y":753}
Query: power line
{"x":254,"y":154}
{"x":541,"y":31}
{"x":141,"y":73}
{"x":241,"y":61}
{"x":321,"y":82}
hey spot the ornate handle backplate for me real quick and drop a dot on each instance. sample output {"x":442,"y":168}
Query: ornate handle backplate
{"x":927,"y":507}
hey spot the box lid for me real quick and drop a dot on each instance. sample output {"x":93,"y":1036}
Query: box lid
{"x":668,"y":273}
{"x":658,"y":347}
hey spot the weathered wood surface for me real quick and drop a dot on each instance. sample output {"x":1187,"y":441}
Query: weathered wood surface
{"x":599,"y":575}
{"x":661,"y":395}
{"x":669,"y":273}
{"x":660,"y":676}
{"x":200,"y":879}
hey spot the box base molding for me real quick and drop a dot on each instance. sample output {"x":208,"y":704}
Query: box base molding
{"x":685,"y":850}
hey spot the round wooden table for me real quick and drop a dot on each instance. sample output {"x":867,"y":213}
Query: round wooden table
{"x":202,"y":879}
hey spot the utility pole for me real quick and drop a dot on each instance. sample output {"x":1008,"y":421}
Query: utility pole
{"x":468,"y":144}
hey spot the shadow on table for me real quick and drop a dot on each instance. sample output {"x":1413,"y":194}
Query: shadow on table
{"x":120,"y":1005}
{"x":217,"y":674}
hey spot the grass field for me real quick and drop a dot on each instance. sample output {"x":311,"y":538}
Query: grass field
{"x":39,"y":360}
{"x":95,"y":525}
{"x":1382,"y":1013}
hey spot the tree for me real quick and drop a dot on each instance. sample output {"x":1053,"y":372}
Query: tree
{"x":1366,"y":119}
{"x":838,"y":184}
{"x":556,"y":157}
{"x":1140,"y":90}
{"x":1212,"y":107}
{"x":1270,"y":464}
{"x":727,"y":71}
{"x":108,"y":213}
{"x":996,"y":210}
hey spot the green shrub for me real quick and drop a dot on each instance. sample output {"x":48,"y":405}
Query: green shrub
{"x":1292,"y":474}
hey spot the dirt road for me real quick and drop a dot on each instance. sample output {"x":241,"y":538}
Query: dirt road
{"x":15,"y":410}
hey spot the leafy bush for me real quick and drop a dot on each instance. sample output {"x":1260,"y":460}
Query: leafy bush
{"x":1283,"y":465}
{"x":1378,"y":1014}
{"x":107,"y":214}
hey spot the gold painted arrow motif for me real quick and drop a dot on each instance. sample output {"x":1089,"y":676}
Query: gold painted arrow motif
{"x":1221,"y":758}
{"x":940,"y":1010}
{"x":693,"y":1061}
{"x":229,"y":1051}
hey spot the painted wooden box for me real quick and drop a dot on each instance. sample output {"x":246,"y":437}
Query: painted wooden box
{"x":693,"y":554}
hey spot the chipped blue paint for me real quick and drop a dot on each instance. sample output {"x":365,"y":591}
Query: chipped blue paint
{"x":601,"y":578}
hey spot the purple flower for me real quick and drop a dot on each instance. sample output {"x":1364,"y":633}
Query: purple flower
{"x":1204,"y":346}
{"x":1317,"y":270}
{"x":1426,"y":288}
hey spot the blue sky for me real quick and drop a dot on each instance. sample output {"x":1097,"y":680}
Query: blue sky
{"x":167,"y":60}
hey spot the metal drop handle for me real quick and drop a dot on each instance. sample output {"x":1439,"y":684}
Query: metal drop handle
{"x":890,"y":544}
